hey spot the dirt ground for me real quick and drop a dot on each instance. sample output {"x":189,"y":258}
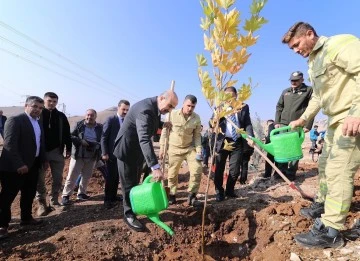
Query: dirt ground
{"x":259,"y":225}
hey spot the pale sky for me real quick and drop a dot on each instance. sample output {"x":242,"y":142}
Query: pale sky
{"x":94,"y":53}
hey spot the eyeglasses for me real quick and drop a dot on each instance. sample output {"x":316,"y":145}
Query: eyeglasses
{"x":295,"y":80}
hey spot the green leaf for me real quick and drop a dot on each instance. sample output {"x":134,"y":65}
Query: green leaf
{"x":257,"y":6}
{"x":254,"y":23}
{"x":201,"y":60}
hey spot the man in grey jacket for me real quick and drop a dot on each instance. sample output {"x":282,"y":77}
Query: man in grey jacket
{"x":291,"y":105}
{"x":133,"y":143}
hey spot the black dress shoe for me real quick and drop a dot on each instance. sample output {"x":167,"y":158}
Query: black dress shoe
{"x":118,"y":198}
{"x":134,"y":223}
{"x":231,"y":195}
{"x":219,"y":197}
{"x":31,"y":222}
{"x":109,"y":204}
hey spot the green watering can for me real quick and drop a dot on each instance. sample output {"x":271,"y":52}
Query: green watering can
{"x":284,"y":146}
{"x":149,"y":199}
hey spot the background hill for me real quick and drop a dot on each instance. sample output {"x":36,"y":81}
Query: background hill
{"x":101,"y":117}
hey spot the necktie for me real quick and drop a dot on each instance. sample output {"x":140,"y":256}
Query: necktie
{"x":234,"y":135}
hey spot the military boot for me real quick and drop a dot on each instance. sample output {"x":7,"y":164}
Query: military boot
{"x":192,"y":201}
{"x":42,"y":209}
{"x":320,"y":237}
{"x":314,"y":211}
{"x":353,"y":233}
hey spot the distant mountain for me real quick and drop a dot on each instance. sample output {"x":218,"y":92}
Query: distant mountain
{"x":101,"y":116}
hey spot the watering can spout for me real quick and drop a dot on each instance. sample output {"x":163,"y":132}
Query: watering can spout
{"x":267,"y":147}
{"x":155,"y":218}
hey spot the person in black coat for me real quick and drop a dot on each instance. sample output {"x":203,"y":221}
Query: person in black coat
{"x":111,"y":128}
{"x":20,"y":162}
{"x":268,"y":168}
{"x":242,"y":120}
{"x":2,"y":123}
{"x":133,"y":143}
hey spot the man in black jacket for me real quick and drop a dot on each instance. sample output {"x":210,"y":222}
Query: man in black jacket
{"x":268,"y":168}
{"x":291,"y":105}
{"x":2,"y":123}
{"x":111,"y":128}
{"x":133,"y":144}
{"x":21,"y":159}
{"x":57,"y":136}
{"x":242,"y":120}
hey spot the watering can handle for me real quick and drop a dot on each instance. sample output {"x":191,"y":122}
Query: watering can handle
{"x":275,"y":131}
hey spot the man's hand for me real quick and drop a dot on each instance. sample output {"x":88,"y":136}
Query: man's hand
{"x":276,"y":126}
{"x":297,"y":123}
{"x":161,"y":154}
{"x":250,"y":142}
{"x":167,"y":125}
{"x":105,"y":157}
{"x":157,"y":175}
{"x":23,"y":170}
{"x":84,"y":143}
{"x":351,"y":126}
{"x":306,"y":130}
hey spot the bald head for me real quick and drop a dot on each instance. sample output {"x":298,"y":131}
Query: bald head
{"x":167,"y":101}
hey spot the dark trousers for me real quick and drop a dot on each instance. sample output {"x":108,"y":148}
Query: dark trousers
{"x":244,"y":165}
{"x":234,"y":169}
{"x":290,"y":168}
{"x":111,"y":180}
{"x":11,"y":184}
{"x":268,"y":168}
{"x":129,"y":174}
{"x":206,"y":154}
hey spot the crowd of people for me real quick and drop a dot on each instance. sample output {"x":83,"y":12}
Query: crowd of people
{"x":40,"y":138}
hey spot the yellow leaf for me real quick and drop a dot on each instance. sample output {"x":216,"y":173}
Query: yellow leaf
{"x":220,"y":23}
{"x":222,"y":67}
{"x":228,"y":145}
{"x":232,"y":22}
{"x":231,"y":83}
{"x":226,"y":4}
{"x":245,"y":92}
{"x":249,"y":40}
{"x":242,"y":56}
{"x":209,"y":43}
{"x":209,"y":92}
{"x":215,"y":57}
{"x":201,"y":60}
{"x":230,"y":43}
{"x":205,"y":23}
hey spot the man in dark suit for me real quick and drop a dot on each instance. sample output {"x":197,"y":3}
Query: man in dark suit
{"x":20,"y":162}
{"x":242,"y":120}
{"x":133,"y":143}
{"x":268,"y":168}
{"x":2,"y":123}
{"x":111,"y":128}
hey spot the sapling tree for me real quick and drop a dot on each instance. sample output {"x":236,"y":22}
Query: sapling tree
{"x":228,"y":46}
